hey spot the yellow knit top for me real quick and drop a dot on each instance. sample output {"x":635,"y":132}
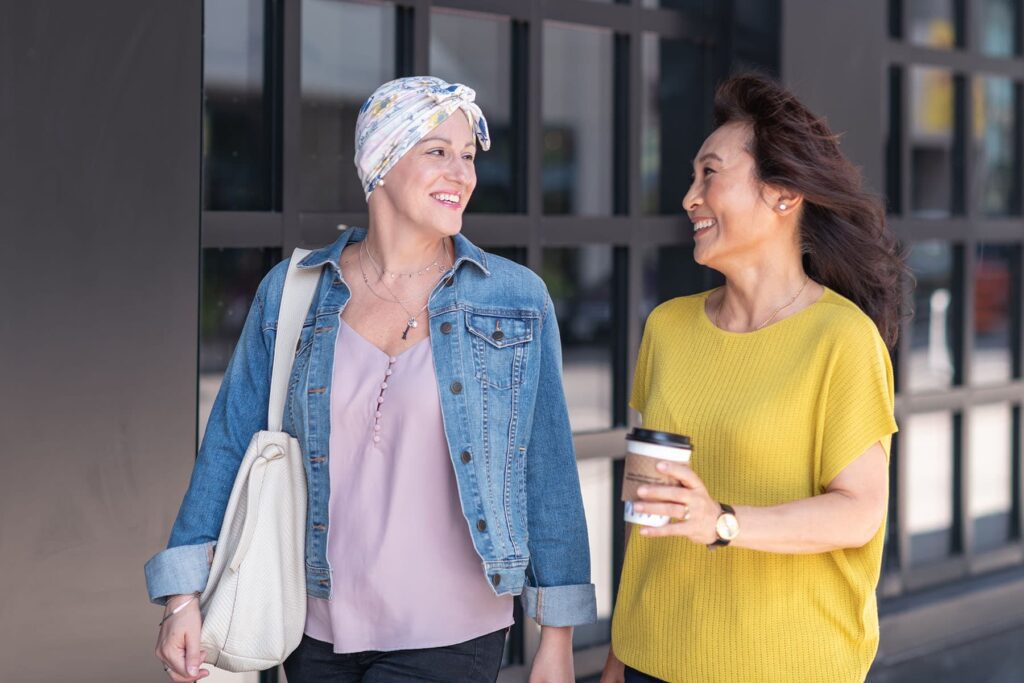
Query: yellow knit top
{"x":774,"y":415}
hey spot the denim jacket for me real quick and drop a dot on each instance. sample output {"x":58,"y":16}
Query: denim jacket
{"x":497,"y":358}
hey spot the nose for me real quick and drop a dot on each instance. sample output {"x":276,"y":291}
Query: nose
{"x":693,"y":198}
{"x":461,"y":170}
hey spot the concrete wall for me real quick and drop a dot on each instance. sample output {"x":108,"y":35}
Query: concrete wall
{"x":100,"y":110}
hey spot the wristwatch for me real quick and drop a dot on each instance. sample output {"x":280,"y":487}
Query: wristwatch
{"x":727,"y":527}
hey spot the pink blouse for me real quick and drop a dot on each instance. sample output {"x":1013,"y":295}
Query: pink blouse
{"x":405,"y":573}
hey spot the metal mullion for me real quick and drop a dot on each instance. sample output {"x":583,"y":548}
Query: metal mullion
{"x":962,"y":22}
{"x":959,"y":398}
{"x":420,"y":36}
{"x":588,"y":13}
{"x":1017,"y":477}
{"x":1017,"y":196}
{"x":227,"y":229}
{"x":291,"y":122}
{"x":898,"y":154}
{"x":964,"y":183}
{"x":623,"y":123}
{"x":534,"y":39}
{"x":954,"y":60}
{"x":513,"y":9}
{"x":911,"y":229}
{"x":963,"y":531}
{"x":935,"y":574}
{"x":906,"y":167}
{"x":519,"y":85}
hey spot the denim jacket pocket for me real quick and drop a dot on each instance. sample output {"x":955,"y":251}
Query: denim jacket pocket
{"x":500,"y":345}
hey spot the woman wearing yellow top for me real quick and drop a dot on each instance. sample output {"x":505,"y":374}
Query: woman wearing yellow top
{"x":783,"y":381}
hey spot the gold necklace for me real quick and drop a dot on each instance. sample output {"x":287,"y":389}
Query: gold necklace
{"x":718,"y":309}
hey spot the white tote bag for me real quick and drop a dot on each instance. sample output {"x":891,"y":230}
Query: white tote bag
{"x":254,"y":605}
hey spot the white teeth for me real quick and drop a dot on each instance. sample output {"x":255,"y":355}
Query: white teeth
{"x":447,"y":198}
{"x":701,"y":224}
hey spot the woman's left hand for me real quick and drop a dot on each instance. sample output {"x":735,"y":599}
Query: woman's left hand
{"x":693,"y":511}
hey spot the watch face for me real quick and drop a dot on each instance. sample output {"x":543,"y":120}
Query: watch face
{"x":727,"y":527}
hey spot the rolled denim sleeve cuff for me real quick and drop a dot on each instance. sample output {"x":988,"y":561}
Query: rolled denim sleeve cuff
{"x":561,"y":605}
{"x":178,"y":570}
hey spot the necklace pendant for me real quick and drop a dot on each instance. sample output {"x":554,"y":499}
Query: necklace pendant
{"x":406,"y":333}
{"x":412,"y":323}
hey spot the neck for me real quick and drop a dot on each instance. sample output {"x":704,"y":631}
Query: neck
{"x":403,"y":250}
{"x":755,"y":291}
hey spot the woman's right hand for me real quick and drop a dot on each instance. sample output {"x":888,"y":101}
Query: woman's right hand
{"x":614,"y":670}
{"x":177,"y":645}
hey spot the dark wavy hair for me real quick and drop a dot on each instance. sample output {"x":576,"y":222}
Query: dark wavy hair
{"x":845,"y":242}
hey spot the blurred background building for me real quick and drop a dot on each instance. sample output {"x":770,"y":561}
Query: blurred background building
{"x":157,"y":158}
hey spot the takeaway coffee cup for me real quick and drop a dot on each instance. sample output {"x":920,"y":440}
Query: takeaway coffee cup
{"x":645,"y":448}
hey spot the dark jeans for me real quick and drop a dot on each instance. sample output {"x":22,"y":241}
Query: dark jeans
{"x":634,"y":676}
{"x":474,"y":661}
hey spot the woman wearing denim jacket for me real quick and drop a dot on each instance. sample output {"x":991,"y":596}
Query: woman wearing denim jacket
{"x":426,"y":393}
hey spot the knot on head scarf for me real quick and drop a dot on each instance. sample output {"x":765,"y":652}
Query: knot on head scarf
{"x":400,"y":113}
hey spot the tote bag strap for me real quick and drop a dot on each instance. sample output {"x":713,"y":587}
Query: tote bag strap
{"x":299,"y":286}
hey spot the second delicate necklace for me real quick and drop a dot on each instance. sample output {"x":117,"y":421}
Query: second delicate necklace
{"x":718,"y":309}
{"x":412,"y":321}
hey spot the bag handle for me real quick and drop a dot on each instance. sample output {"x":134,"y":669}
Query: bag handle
{"x":299,"y":286}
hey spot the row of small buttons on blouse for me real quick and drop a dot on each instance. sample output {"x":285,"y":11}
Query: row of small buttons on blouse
{"x":380,"y":400}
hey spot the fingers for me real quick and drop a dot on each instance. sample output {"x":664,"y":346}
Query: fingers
{"x":674,"y":529}
{"x":673,"y":510}
{"x":671,"y":494}
{"x":193,"y":655}
{"x":682,"y":473}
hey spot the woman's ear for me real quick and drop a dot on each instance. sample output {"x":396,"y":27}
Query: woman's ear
{"x":785,"y":202}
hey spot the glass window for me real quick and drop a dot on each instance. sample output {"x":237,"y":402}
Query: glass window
{"x":934,"y":325}
{"x":995,"y":150}
{"x":348,"y":50}
{"x":931,"y":23}
{"x":990,"y":497}
{"x":237,"y":109}
{"x":675,"y":89}
{"x":670,"y":271}
{"x":994,"y":24}
{"x":577,"y":111}
{"x":477,"y":51}
{"x":580,"y":282}
{"x":596,"y":483}
{"x":931,"y":141}
{"x":230,"y":280}
{"x":992,"y":361}
{"x":929,"y":485}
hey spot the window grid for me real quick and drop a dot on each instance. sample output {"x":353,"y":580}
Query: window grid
{"x":964,"y":230}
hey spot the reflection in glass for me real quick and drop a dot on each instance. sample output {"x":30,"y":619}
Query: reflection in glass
{"x":994,"y":148}
{"x":596,"y":483}
{"x":674,"y":90}
{"x":931,"y":141}
{"x":577,"y":110}
{"x":995,"y":24}
{"x":477,"y":51}
{"x":990,"y":474}
{"x":992,"y":361}
{"x":930,"y":23}
{"x":348,"y":50}
{"x":933,"y":324}
{"x":237,"y":133}
{"x":580,"y":282}
{"x":929,"y":486}
{"x":230,"y":280}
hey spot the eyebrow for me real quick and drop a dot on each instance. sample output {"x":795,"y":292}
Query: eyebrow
{"x":438,"y":138}
{"x":709,"y":155}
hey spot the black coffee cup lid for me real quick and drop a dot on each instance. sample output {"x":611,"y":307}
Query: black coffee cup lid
{"x":659,"y":438}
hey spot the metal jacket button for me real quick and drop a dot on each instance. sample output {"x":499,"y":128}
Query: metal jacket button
{"x":496,"y":579}
{"x":481,"y":525}
{"x":466,"y":457}
{"x":498,"y":335}
{"x":450,"y":282}
{"x":446,"y":328}
{"x":456,"y":387}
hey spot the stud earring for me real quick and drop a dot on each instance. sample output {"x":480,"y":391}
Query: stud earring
{"x":782,"y":207}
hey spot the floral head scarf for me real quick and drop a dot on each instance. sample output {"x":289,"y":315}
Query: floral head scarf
{"x":400,"y":113}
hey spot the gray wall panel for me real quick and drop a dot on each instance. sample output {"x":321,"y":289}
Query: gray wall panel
{"x":100,"y":108}
{"x":833,"y":57}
